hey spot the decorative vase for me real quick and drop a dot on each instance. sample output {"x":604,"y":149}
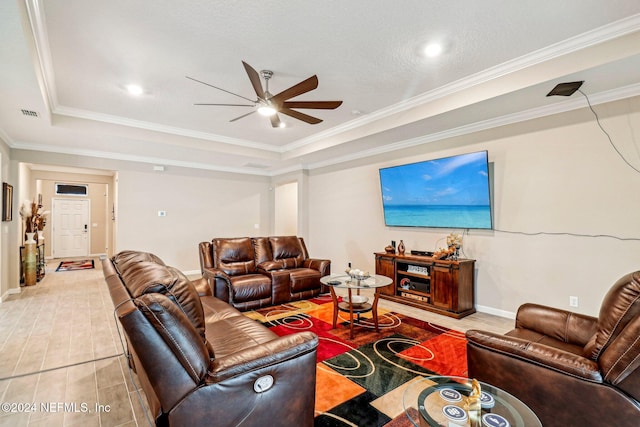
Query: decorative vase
{"x":30,"y":277}
{"x":401,"y":248}
{"x":40,"y":236}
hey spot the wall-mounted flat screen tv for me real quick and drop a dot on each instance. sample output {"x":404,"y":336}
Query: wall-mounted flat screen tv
{"x":451,"y":192}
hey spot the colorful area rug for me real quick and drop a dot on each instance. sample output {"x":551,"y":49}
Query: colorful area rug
{"x":83,"y":264}
{"x":360,"y":382}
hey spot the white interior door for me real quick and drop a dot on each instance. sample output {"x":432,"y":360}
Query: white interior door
{"x":70,"y":232}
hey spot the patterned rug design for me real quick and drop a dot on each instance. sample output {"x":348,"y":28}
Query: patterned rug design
{"x":83,"y":264}
{"x":360,"y":382}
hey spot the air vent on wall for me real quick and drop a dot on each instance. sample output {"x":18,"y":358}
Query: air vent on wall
{"x":29,"y":113}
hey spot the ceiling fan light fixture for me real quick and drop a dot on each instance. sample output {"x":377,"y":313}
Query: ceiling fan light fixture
{"x":266,"y":110}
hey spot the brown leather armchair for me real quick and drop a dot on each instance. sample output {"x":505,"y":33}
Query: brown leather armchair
{"x":570,"y":369}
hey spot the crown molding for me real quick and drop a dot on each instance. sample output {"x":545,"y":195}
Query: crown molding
{"x":136,"y":158}
{"x":534,"y":113}
{"x":556,"y":108}
{"x":139,"y":124}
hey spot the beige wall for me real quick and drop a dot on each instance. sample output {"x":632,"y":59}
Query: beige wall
{"x":199,"y":206}
{"x":286,"y":209}
{"x":565,"y":178}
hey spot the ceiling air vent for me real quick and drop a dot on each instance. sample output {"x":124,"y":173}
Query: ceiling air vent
{"x":29,"y":113}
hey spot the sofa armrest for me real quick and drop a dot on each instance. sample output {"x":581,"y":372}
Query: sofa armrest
{"x":219,"y":282}
{"x":566,"y":326}
{"x":268,"y":354}
{"x":536,"y":353}
{"x":321,"y":265}
{"x":202,"y":286}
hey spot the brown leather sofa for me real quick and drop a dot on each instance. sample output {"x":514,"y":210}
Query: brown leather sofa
{"x":254,"y":272}
{"x":200,"y":361}
{"x":570,"y":369}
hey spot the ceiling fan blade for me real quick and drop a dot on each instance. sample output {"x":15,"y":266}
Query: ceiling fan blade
{"x":242,"y":116}
{"x":229,"y":105}
{"x":224,"y":90}
{"x":300,"y":116}
{"x":320,"y":105}
{"x":254,"y":77}
{"x":275,"y":121}
{"x":303,"y":87}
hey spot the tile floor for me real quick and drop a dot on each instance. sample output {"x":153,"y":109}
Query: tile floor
{"x":61,"y":359}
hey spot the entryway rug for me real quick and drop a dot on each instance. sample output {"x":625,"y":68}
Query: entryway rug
{"x":360,"y":382}
{"x":83,"y":264}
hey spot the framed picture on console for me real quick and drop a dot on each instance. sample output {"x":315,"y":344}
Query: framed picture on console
{"x":7,"y":202}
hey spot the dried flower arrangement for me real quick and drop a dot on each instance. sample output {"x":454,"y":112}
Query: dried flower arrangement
{"x":34,"y":220}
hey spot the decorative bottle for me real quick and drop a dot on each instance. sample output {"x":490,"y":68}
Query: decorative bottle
{"x":401,"y":248}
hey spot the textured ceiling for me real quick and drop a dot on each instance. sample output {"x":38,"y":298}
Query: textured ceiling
{"x":70,"y":61}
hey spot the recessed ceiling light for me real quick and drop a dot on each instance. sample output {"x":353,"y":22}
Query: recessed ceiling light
{"x":433,"y":49}
{"x":282,"y":125}
{"x":135,"y":89}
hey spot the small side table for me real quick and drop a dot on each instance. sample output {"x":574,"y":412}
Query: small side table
{"x":347,"y":282}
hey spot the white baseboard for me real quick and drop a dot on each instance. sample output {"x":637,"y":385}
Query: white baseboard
{"x":12,"y":291}
{"x":192,"y":273}
{"x":495,"y":311}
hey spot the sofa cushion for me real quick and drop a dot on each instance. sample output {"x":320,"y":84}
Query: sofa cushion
{"x":148,"y":277}
{"x":216,"y":309}
{"x":620,"y":305}
{"x":288,"y":250}
{"x":250,"y":287}
{"x":234,"y":256}
{"x":304,"y":279}
{"x":237,"y":333}
{"x":533,"y":336}
{"x":177,"y":332}
{"x":262,"y":249}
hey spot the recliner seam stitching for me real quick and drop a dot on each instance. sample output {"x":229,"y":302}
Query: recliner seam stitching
{"x":616,"y":326}
{"x":620,"y":358}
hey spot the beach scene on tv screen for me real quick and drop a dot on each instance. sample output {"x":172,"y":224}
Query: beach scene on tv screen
{"x":451,"y":192}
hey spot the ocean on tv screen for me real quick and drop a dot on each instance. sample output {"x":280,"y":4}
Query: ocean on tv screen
{"x":449,"y":216}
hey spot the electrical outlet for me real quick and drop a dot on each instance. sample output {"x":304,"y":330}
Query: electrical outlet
{"x":573,"y":301}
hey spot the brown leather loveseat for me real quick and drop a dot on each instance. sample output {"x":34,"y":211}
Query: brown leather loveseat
{"x":570,"y":369}
{"x":200,"y":361}
{"x":253,"y":272}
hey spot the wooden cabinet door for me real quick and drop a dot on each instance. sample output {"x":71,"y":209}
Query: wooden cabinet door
{"x":442,"y":286}
{"x":385,"y":266}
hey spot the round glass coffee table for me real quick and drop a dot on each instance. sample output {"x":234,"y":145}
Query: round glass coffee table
{"x":352,"y":305}
{"x":444,"y":401}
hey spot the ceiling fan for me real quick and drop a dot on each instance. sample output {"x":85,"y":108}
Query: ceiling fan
{"x":270,"y":105}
